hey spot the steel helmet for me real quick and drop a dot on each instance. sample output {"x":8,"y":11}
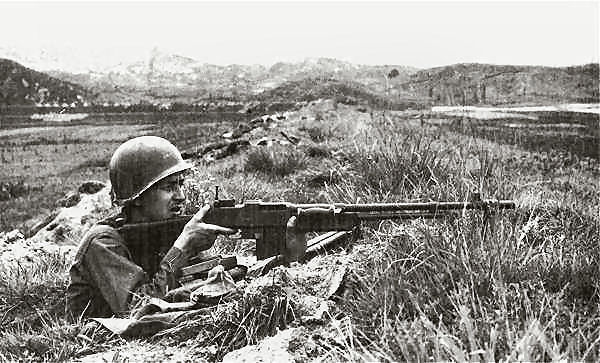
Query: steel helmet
{"x":140,"y":163}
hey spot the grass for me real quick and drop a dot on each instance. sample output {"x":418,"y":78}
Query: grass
{"x":32,"y":308}
{"x":445,"y":292}
{"x":276,"y":161}
{"x":522,"y":286}
{"x":559,"y":137}
{"x":41,"y":164}
{"x":526,"y":290}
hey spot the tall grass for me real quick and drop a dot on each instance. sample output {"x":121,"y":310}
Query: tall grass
{"x":523,"y":286}
{"x":277,"y":160}
{"x":32,"y":309}
{"x":446,"y":291}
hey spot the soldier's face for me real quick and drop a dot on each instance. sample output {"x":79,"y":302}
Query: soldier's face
{"x":164,"y":199}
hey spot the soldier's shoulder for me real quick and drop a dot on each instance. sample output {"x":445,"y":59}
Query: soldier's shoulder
{"x":107,"y":226}
{"x":102,"y":233}
{"x":99,"y":230}
{"x":98,"y":237}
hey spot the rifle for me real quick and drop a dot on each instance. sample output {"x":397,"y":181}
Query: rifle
{"x":267,"y":222}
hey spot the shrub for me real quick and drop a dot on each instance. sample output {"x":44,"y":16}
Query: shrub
{"x":318,"y":133}
{"x":275,"y":161}
{"x":317,"y":151}
{"x":410,"y":167}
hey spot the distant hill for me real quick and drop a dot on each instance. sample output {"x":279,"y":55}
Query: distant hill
{"x":473,"y":84}
{"x":172,"y":78}
{"x":460,"y":84}
{"x":310,"y":89}
{"x":164,"y":76}
{"x":23,"y":86}
{"x":374,"y":77}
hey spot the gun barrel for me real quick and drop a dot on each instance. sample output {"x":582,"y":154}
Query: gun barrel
{"x":396,"y":215}
{"x":426,"y":206}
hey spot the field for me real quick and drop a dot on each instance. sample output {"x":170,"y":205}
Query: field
{"x":524,"y":286}
{"x":571,"y":136}
{"x":43,"y":161}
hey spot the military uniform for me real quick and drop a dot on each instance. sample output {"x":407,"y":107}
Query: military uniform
{"x":109,"y":272}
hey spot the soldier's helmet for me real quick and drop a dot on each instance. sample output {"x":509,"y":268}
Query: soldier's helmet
{"x":140,"y":163}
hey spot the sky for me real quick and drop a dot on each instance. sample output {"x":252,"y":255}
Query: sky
{"x":419,"y":34}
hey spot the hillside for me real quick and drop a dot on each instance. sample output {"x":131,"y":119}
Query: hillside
{"x":347,"y":92}
{"x":173,"y":78}
{"x":169,"y":77}
{"x":371,"y":76}
{"x":165,"y":76}
{"x":23,"y":86}
{"x":470,"y":84}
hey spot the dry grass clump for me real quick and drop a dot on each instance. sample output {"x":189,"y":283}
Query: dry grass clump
{"x":447,"y":291}
{"x":275,"y":161}
{"x":240,"y":320}
{"x":32,"y":307}
{"x":258,"y":315}
{"x":523,"y":287}
{"x":404,"y":165}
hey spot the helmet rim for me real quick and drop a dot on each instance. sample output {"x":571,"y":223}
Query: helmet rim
{"x":140,"y":163}
{"x":173,"y":170}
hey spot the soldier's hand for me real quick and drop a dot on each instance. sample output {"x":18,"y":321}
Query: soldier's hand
{"x":197,"y":235}
{"x":295,"y":242}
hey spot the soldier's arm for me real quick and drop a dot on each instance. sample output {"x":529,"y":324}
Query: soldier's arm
{"x":119,"y":279}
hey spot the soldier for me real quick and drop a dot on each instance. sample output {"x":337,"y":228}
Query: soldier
{"x":146,"y":174}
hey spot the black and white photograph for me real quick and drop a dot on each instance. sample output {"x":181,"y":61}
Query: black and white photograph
{"x":299,"y":181}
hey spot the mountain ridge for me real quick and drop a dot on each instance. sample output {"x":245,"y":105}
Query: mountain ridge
{"x":173,"y":78}
{"x":20,"y":85}
{"x":163,"y":75}
{"x":476,"y":83}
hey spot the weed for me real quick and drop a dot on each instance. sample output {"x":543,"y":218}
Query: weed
{"x":32,"y":310}
{"x":275,"y":161}
{"x":236,"y":322}
{"x":317,"y":150}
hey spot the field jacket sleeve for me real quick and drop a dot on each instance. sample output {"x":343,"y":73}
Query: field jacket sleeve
{"x":108,"y":266}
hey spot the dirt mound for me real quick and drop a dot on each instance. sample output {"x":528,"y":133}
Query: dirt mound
{"x":272,"y":349}
{"x":62,"y":232}
{"x":72,"y":222}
